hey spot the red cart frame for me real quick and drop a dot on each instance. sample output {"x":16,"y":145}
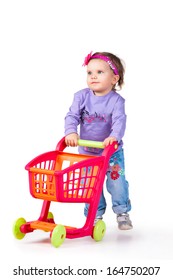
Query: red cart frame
{"x":81,"y":181}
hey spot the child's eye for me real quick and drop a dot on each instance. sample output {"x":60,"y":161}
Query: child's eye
{"x":100,"y":72}
{"x":89,"y":73}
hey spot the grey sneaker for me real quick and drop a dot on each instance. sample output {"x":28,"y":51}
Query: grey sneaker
{"x":97,"y":219}
{"x":124,"y":222}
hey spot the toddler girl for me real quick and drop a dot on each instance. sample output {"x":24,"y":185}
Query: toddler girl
{"x":99,"y":111}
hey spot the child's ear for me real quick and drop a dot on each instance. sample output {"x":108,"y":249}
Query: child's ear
{"x":115,"y":79}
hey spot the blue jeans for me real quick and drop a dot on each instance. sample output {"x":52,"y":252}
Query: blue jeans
{"x":116,"y":185}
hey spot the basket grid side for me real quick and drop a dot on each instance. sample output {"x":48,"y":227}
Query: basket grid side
{"x":42,"y":183}
{"x":80,"y":183}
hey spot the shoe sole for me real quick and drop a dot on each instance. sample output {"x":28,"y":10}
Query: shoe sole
{"x":125,"y":227}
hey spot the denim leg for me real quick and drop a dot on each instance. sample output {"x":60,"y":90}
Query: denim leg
{"x":117,"y":185}
{"x":101,"y":208}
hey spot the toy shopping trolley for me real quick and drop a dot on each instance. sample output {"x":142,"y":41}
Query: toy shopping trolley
{"x":71,"y":178}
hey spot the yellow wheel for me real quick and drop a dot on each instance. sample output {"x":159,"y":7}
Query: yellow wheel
{"x":50,"y":218}
{"x":16,"y":228}
{"x":50,"y":215}
{"x":99,"y":230}
{"x":58,"y":235}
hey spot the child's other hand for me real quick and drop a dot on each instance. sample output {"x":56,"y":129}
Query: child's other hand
{"x":72,"y":140}
{"x":109,"y":141}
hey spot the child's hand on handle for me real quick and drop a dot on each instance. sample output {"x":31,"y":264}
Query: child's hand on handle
{"x":109,"y":141}
{"x":72,"y":139}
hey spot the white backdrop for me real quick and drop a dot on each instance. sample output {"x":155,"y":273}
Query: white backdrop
{"x":43,"y":45}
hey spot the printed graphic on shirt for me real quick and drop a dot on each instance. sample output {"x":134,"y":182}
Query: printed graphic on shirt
{"x":86,"y":117}
{"x":92,"y":150}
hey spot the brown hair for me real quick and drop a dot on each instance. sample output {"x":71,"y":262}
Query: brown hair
{"x":120,"y":65}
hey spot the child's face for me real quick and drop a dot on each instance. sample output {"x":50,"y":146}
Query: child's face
{"x":100,"y":77}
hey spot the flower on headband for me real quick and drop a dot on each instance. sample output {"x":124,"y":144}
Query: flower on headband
{"x":87,"y":59}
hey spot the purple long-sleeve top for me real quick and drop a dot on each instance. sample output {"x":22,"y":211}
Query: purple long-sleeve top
{"x":98,"y":117}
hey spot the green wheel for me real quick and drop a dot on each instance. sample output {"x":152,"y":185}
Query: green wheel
{"x":99,"y":230}
{"x":50,"y":218}
{"x":50,"y":215}
{"x":16,"y":228}
{"x":58,"y":235}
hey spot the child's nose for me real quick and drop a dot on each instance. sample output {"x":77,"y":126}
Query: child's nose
{"x":94,"y":76}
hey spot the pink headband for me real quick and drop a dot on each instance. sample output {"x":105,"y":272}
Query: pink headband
{"x":103,"y":57}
